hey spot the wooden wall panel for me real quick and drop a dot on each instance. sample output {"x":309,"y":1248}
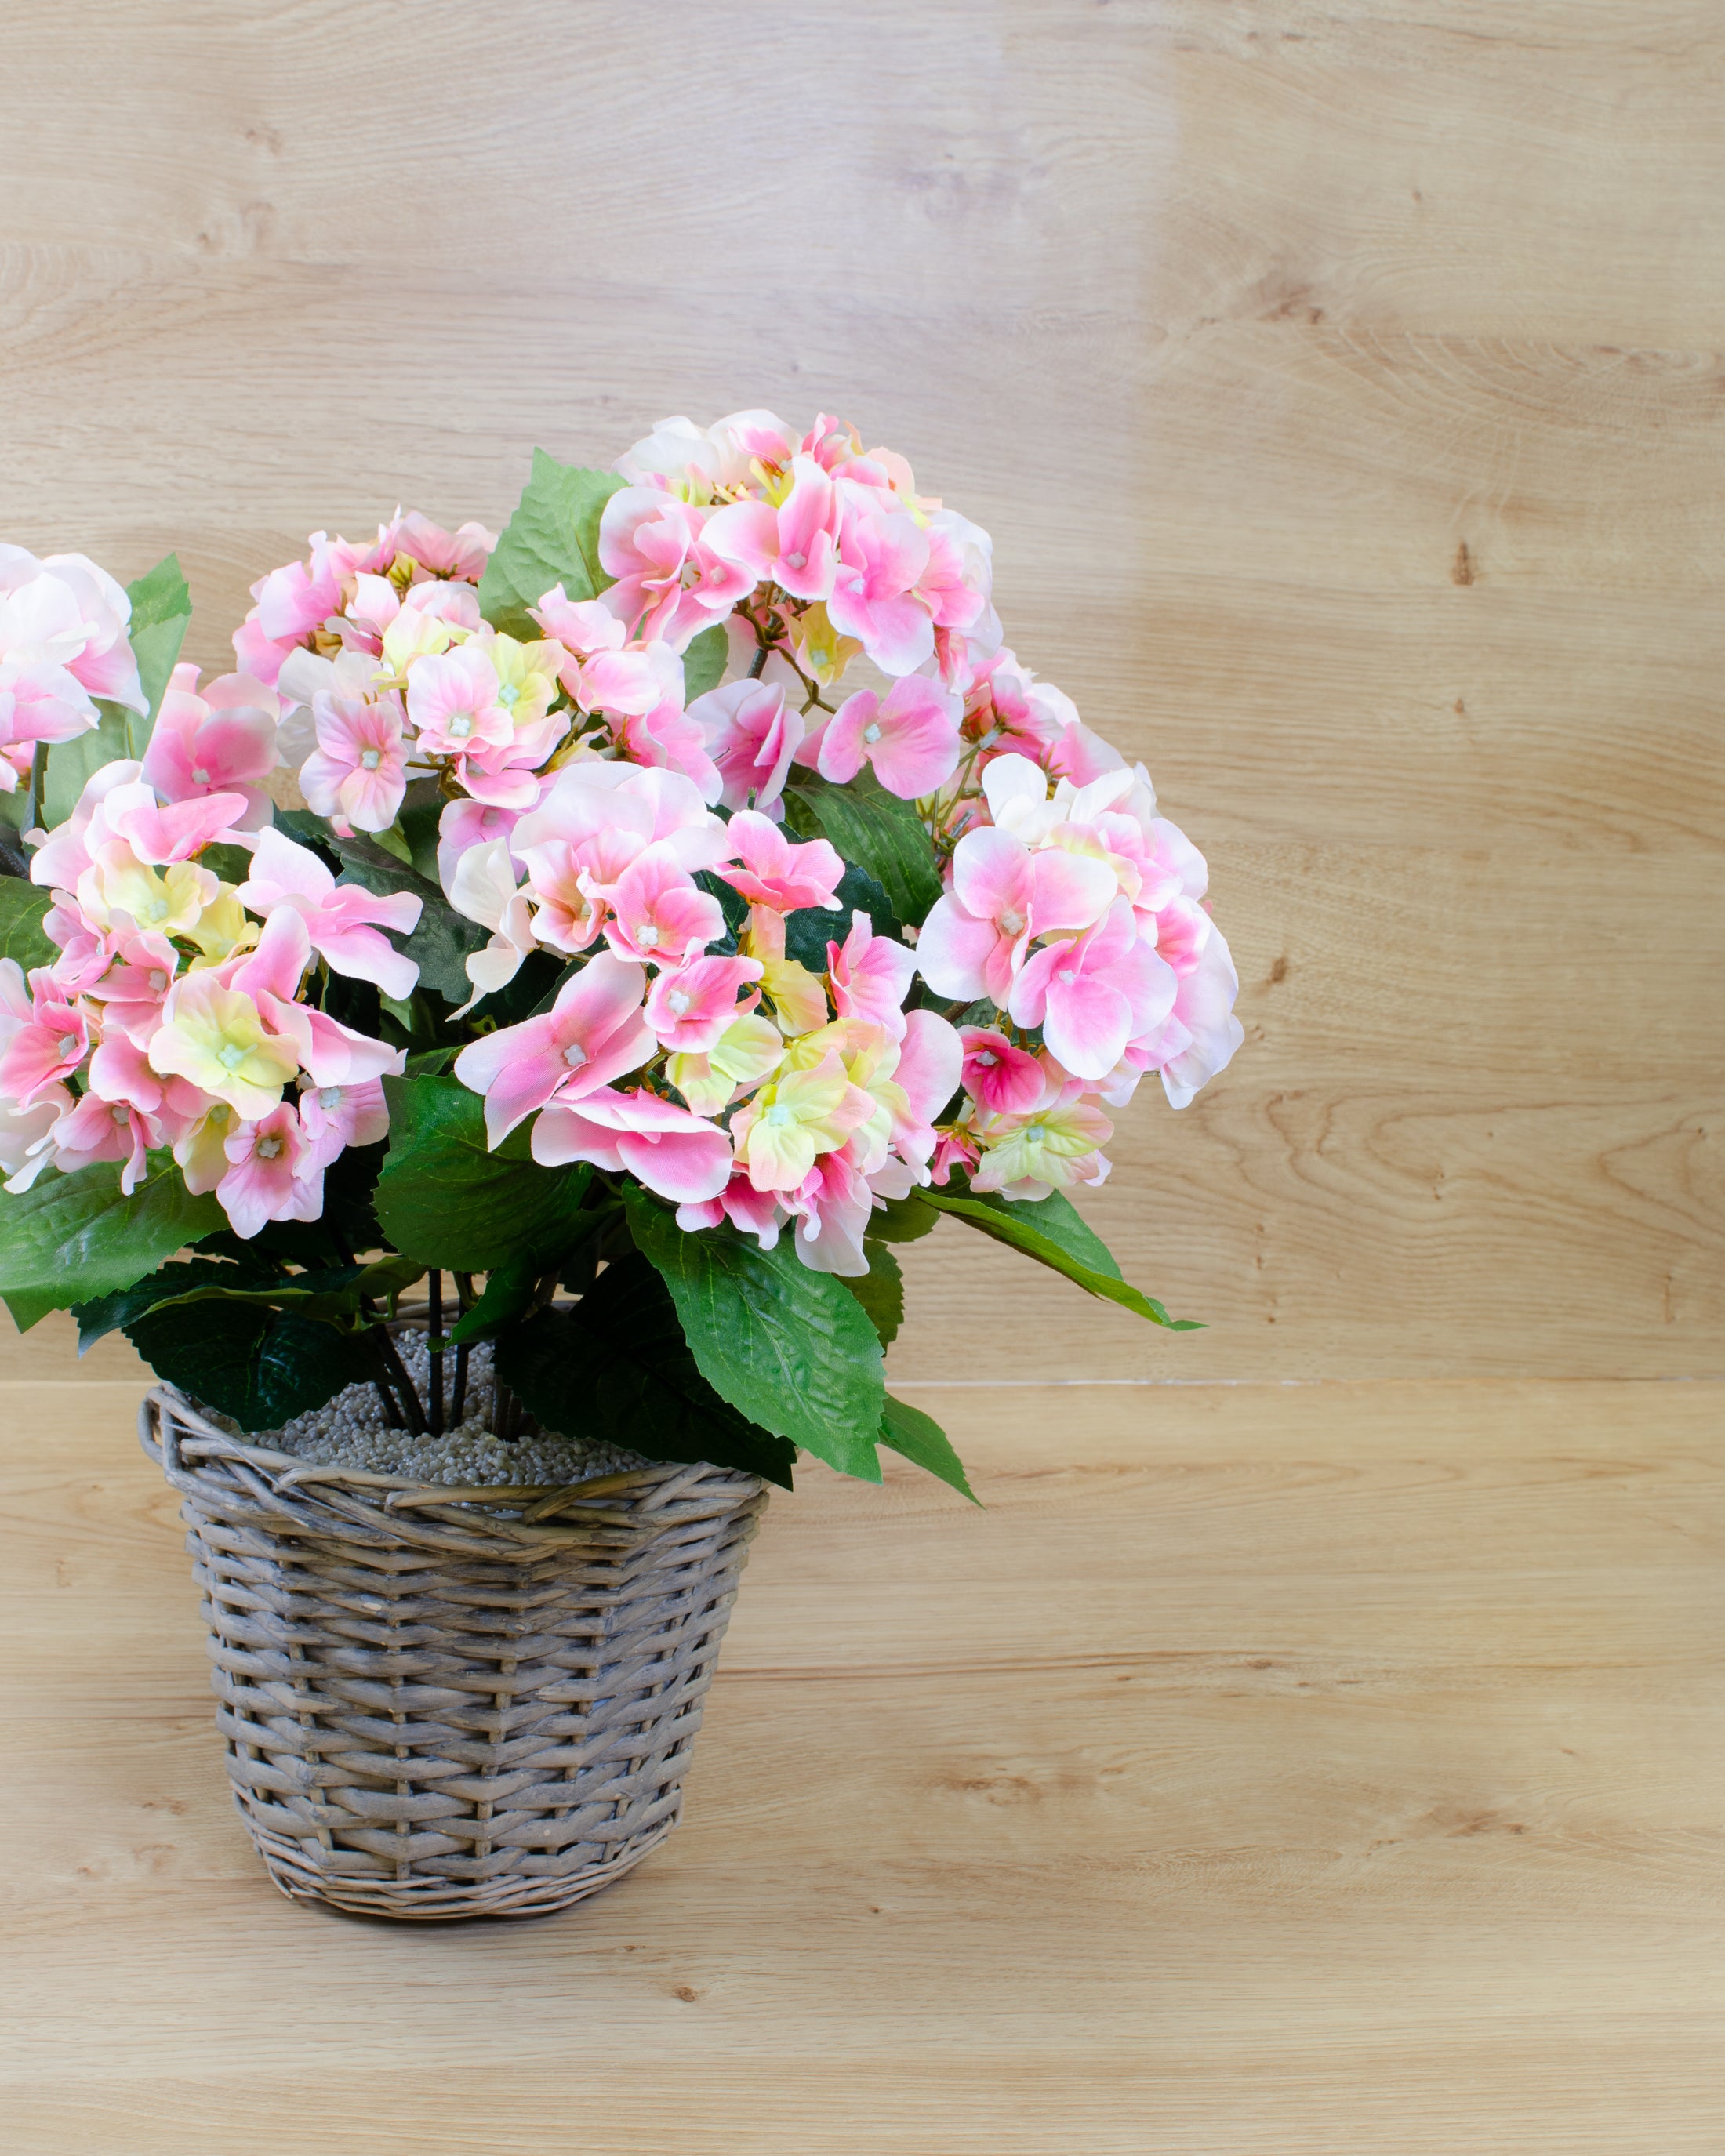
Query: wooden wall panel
{"x":1342,"y":383}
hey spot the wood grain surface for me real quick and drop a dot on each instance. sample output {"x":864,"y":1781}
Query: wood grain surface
{"x":1273,"y":1769}
{"x":1340,"y":381}
{"x":1286,"y":1769}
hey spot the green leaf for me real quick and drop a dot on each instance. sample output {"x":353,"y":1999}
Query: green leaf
{"x":903,"y":1220}
{"x":618,"y":1369}
{"x":161,"y":608}
{"x":553,"y":538}
{"x":112,"y":1313}
{"x":881,"y":1290}
{"x":71,"y":1238}
{"x":444,"y":1200}
{"x":21,"y":935}
{"x":508,"y":1289}
{"x":923,"y":1441}
{"x":704,"y":662}
{"x":431,"y":1062}
{"x":1019,"y":1226}
{"x":72,"y":764}
{"x":439,"y":945}
{"x":881,"y":833}
{"x":1056,"y":1217}
{"x":786,"y":1346}
{"x":261,"y":1366}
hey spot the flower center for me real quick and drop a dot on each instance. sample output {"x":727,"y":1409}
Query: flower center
{"x":230,"y":1056}
{"x":509,"y":695}
{"x":871,"y":732}
{"x":796,"y":561}
{"x":1066,"y":974}
{"x":461,"y":726}
{"x":158,"y":982}
{"x":648,"y":938}
{"x":121,"y":1112}
{"x":329,"y":1096}
{"x":200,"y":777}
{"x":370,"y":759}
{"x":69,"y":1044}
{"x":1012,"y":921}
{"x":574,"y":1056}
{"x":678,"y":1001}
{"x":157,"y":909}
{"x":780,"y":1113}
{"x":269,"y":1149}
{"x":986,"y":1058}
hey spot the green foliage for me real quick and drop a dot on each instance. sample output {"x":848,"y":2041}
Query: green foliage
{"x":877,"y":831}
{"x":704,"y":661}
{"x":1049,"y":1230}
{"x":21,"y":935}
{"x":880,"y":1291}
{"x":444,"y":1199}
{"x":618,"y":1368}
{"x":161,"y":608}
{"x":904,"y":1219}
{"x":553,"y":538}
{"x":920,"y":1440}
{"x":73,"y":1237}
{"x":788,"y":1347}
{"x":258,"y":1364}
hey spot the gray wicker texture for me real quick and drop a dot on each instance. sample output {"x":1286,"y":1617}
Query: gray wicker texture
{"x":443,"y":1703}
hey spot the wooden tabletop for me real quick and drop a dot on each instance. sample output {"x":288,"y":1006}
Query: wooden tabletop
{"x":1267,"y":1768}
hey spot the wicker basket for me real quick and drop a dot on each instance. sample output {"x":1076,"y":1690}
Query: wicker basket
{"x":442,"y":1703}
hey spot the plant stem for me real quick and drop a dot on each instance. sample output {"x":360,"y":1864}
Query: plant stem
{"x":759,"y":666}
{"x":464,"y":1298}
{"x":39,"y":779}
{"x":434,"y":1401}
{"x":392,"y":1413}
{"x":403,"y":1383}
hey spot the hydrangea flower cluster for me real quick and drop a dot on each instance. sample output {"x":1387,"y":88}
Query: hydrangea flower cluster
{"x":738,"y":861}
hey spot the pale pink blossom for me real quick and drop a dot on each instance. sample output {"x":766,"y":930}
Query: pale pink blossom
{"x":461,"y":553}
{"x":1001,"y":1078}
{"x":658,"y":914}
{"x":580,"y":626}
{"x":628,"y":806}
{"x":751,"y":1212}
{"x":46,"y":1047}
{"x":465,"y":824}
{"x":794,"y":542}
{"x":483,"y":889}
{"x":670,"y":583}
{"x":452,"y":701}
{"x":909,"y":738}
{"x":593,"y":1033}
{"x":132,"y":987}
{"x":96,"y":1130}
{"x":119,"y":1070}
{"x":831,"y":1208}
{"x":160,"y":834}
{"x":772,"y":871}
{"x":1057,"y":1145}
{"x":689,"y":1009}
{"x":38,"y":702}
{"x":1196,"y":1037}
{"x":222,"y":740}
{"x":694,"y":462}
{"x":751,"y":737}
{"x":333,"y":1117}
{"x":1093,"y":994}
{"x":358,"y":774}
{"x":65,"y":612}
{"x":870,"y":976}
{"x":66,"y":854}
{"x":975,"y":940}
{"x":670,"y":1151}
{"x":928,"y":1072}
{"x":343,"y":920}
{"x":882,"y":556}
{"x":273,"y":1175}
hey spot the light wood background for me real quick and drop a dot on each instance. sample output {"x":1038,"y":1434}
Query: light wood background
{"x":1270,"y":1769}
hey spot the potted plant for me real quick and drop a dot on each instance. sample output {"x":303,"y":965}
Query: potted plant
{"x":500,"y":1159}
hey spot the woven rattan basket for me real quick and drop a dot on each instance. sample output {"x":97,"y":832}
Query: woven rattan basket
{"x":442,"y":1703}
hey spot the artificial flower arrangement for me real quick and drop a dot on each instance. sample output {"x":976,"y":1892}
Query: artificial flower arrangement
{"x":623,"y":951}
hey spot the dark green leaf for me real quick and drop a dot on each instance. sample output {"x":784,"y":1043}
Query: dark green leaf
{"x":431,"y":1062}
{"x":421,"y":814}
{"x":72,"y":763}
{"x":881,"y":833}
{"x":903,"y":1220}
{"x":1018,"y":1226}
{"x":112,"y":1313}
{"x":73,"y":1238}
{"x":704,"y":662}
{"x":21,"y":935}
{"x":255,"y":1364}
{"x":735,"y":908}
{"x":786,"y":1346}
{"x":553,"y":538}
{"x":444,"y":1199}
{"x":881,"y":1290}
{"x":508,"y":1291}
{"x":923,"y":1441}
{"x":616,"y":1369}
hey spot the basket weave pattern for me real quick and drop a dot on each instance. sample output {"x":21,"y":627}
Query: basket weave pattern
{"x":444,"y":1703}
